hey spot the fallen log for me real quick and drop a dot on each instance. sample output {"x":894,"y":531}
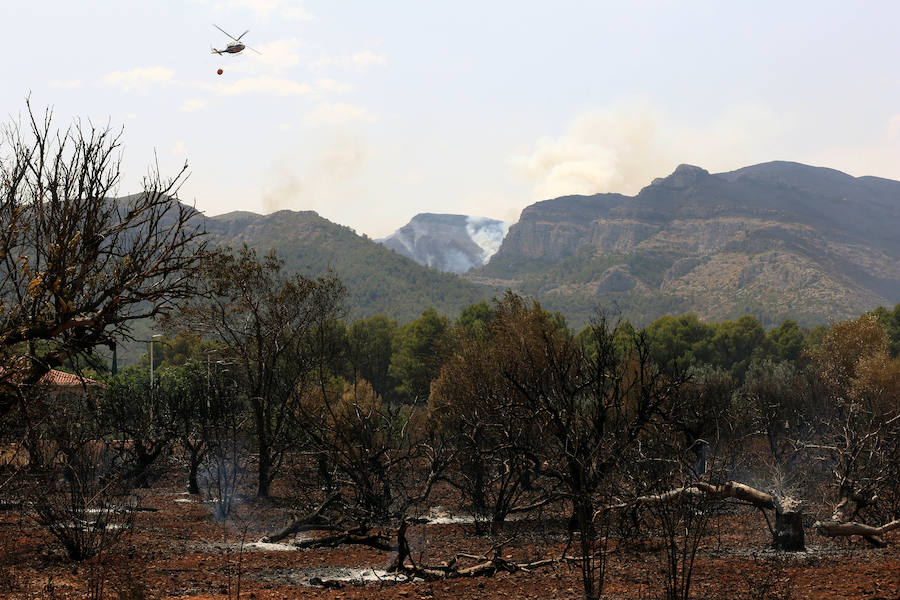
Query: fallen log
{"x":485,"y":565}
{"x":313,"y":520}
{"x":485,"y":568}
{"x":787,"y":533}
{"x":738,"y":491}
{"x":873,"y":535}
{"x":729,"y":489}
{"x":357,"y":537}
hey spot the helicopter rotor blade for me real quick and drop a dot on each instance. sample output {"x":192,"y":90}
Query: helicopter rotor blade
{"x":225,"y":32}
{"x":238,"y":38}
{"x":254,"y":49}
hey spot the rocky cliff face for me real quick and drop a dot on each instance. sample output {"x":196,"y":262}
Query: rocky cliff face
{"x":451,"y":243}
{"x":781,"y":239}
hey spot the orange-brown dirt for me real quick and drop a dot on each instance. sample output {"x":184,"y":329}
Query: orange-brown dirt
{"x":181,"y":551}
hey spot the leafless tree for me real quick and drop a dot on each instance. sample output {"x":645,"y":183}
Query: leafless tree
{"x":860,"y":435}
{"x":591,"y":410}
{"x":497,"y":452}
{"x":384,"y":455}
{"x":378,"y":461}
{"x":862,"y":449}
{"x":679,"y":518}
{"x":81,"y":492}
{"x":264,"y":321}
{"x":78,"y":266}
{"x":138,"y":418}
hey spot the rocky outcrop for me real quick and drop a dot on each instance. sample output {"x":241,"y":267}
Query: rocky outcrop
{"x":616,"y":279}
{"x":783,"y":238}
{"x":450,"y":243}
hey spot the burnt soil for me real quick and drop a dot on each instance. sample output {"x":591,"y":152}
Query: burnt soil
{"x":178,"y":549}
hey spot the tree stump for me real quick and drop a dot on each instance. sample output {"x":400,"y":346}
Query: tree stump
{"x":788,"y":535}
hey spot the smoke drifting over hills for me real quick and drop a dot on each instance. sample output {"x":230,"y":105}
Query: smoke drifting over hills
{"x":450,"y":243}
{"x":487,"y":233}
{"x":332,"y":173}
{"x":622,"y":147}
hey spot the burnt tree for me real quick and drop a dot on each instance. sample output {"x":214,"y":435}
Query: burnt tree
{"x":78,"y":266}
{"x":590,"y":410}
{"x":264,"y":321}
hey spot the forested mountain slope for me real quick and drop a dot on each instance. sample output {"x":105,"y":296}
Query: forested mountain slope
{"x":378,"y":280}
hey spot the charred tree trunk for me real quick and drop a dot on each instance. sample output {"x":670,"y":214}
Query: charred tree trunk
{"x":359,"y":536}
{"x":402,"y":549}
{"x":264,"y":469}
{"x":313,"y":520}
{"x":264,"y":445}
{"x":196,"y":456}
{"x":584,"y":517}
{"x":788,"y":532}
{"x":146,"y":455}
{"x":498,"y":518}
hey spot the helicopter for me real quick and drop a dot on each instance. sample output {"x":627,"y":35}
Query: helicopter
{"x":235,"y":46}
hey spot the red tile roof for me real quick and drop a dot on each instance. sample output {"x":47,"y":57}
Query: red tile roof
{"x":60,"y":378}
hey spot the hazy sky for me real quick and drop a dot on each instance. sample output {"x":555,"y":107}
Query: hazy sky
{"x":371,"y":112}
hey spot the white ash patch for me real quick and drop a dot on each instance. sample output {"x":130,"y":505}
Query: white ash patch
{"x":440,"y":515}
{"x":335,"y":576}
{"x":269,"y":547}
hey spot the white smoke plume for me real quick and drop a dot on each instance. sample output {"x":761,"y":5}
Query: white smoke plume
{"x":624,"y":147}
{"x":487,"y":233}
{"x":336,"y":167}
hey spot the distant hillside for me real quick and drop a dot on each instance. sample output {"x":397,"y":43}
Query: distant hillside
{"x":378,"y":280}
{"x":777,"y":240}
{"x":450,"y":243}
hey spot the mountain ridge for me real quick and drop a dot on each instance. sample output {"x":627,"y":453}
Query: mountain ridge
{"x":378,"y":280}
{"x":777,"y":239}
{"x":782,"y":238}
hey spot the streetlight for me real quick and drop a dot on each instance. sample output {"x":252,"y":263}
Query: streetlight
{"x":152,"y":339}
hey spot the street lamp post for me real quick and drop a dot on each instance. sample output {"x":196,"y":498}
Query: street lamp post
{"x":152,"y":339}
